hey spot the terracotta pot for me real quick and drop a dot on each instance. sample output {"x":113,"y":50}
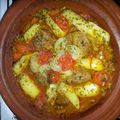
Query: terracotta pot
{"x":105,"y":12}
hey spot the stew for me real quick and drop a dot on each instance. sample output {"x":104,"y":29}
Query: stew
{"x":63,"y":62}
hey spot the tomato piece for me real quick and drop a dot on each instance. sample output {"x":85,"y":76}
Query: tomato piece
{"x":100,"y":78}
{"x":40,"y":100}
{"x":20,"y":46}
{"x":61,"y":21}
{"x":54,"y":76}
{"x":24,"y":47}
{"x":66,"y":61}
{"x":16,"y":55}
{"x":44,"y":57}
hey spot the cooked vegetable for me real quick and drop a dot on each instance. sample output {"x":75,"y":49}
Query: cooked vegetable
{"x":86,"y":62}
{"x":23,"y":47}
{"x":92,"y":63}
{"x":68,"y":91}
{"x":54,"y":65}
{"x":43,"y":69}
{"x":51,"y":23}
{"x":40,"y":100}
{"x":21,"y":64}
{"x":75,"y":51}
{"x":61,"y":21}
{"x":60,"y":44}
{"x":97,"y":64}
{"x":28,"y":86}
{"x":52,"y":93}
{"x":88,"y":89}
{"x":44,"y":57}
{"x":17,"y":55}
{"x":57,"y":31}
{"x":67,"y":73}
{"x":31,"y":32}
{"x":66,"y":61}
{"x":87,"y":27}
{"x":34,"y":65}
{"x":54,"y":61}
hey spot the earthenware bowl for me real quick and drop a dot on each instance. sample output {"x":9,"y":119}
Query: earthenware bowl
{"x":105,"y":12}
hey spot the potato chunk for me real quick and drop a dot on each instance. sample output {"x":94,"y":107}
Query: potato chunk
{"x":21,"y":64}
{"x":87,"y":89}
{"x":92,"y":63}
{"x":87,"y":27}
{"x":69,"y":93}
{"x":28,"y":86}
{"x":51,"y":23}
{"x":52,"y":93}
{"x":31,"y":32}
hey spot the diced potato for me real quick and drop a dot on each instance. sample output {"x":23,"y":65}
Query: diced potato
{"x":87,"y":89}
{"x":96,"y":64}
{"x":84,"y":26}
{"x":52,"y":93}
{"x":51,"y":23}
{"x":69,"y":93}
{"x":99,"y":33}
{"x":92,"y":63}
{"x":86,"y":62}
{"x":31,"y":32}
{"x":28,"y":86}
{"x":21,"y":64}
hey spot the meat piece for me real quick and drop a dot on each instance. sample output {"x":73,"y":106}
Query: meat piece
{"x":61,"y":101}
{"x":80,"y":40}
{"x":80,"y":75}
{"x":44,"y":40}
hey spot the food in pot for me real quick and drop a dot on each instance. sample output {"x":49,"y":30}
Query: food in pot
{"x":63,"y":62}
